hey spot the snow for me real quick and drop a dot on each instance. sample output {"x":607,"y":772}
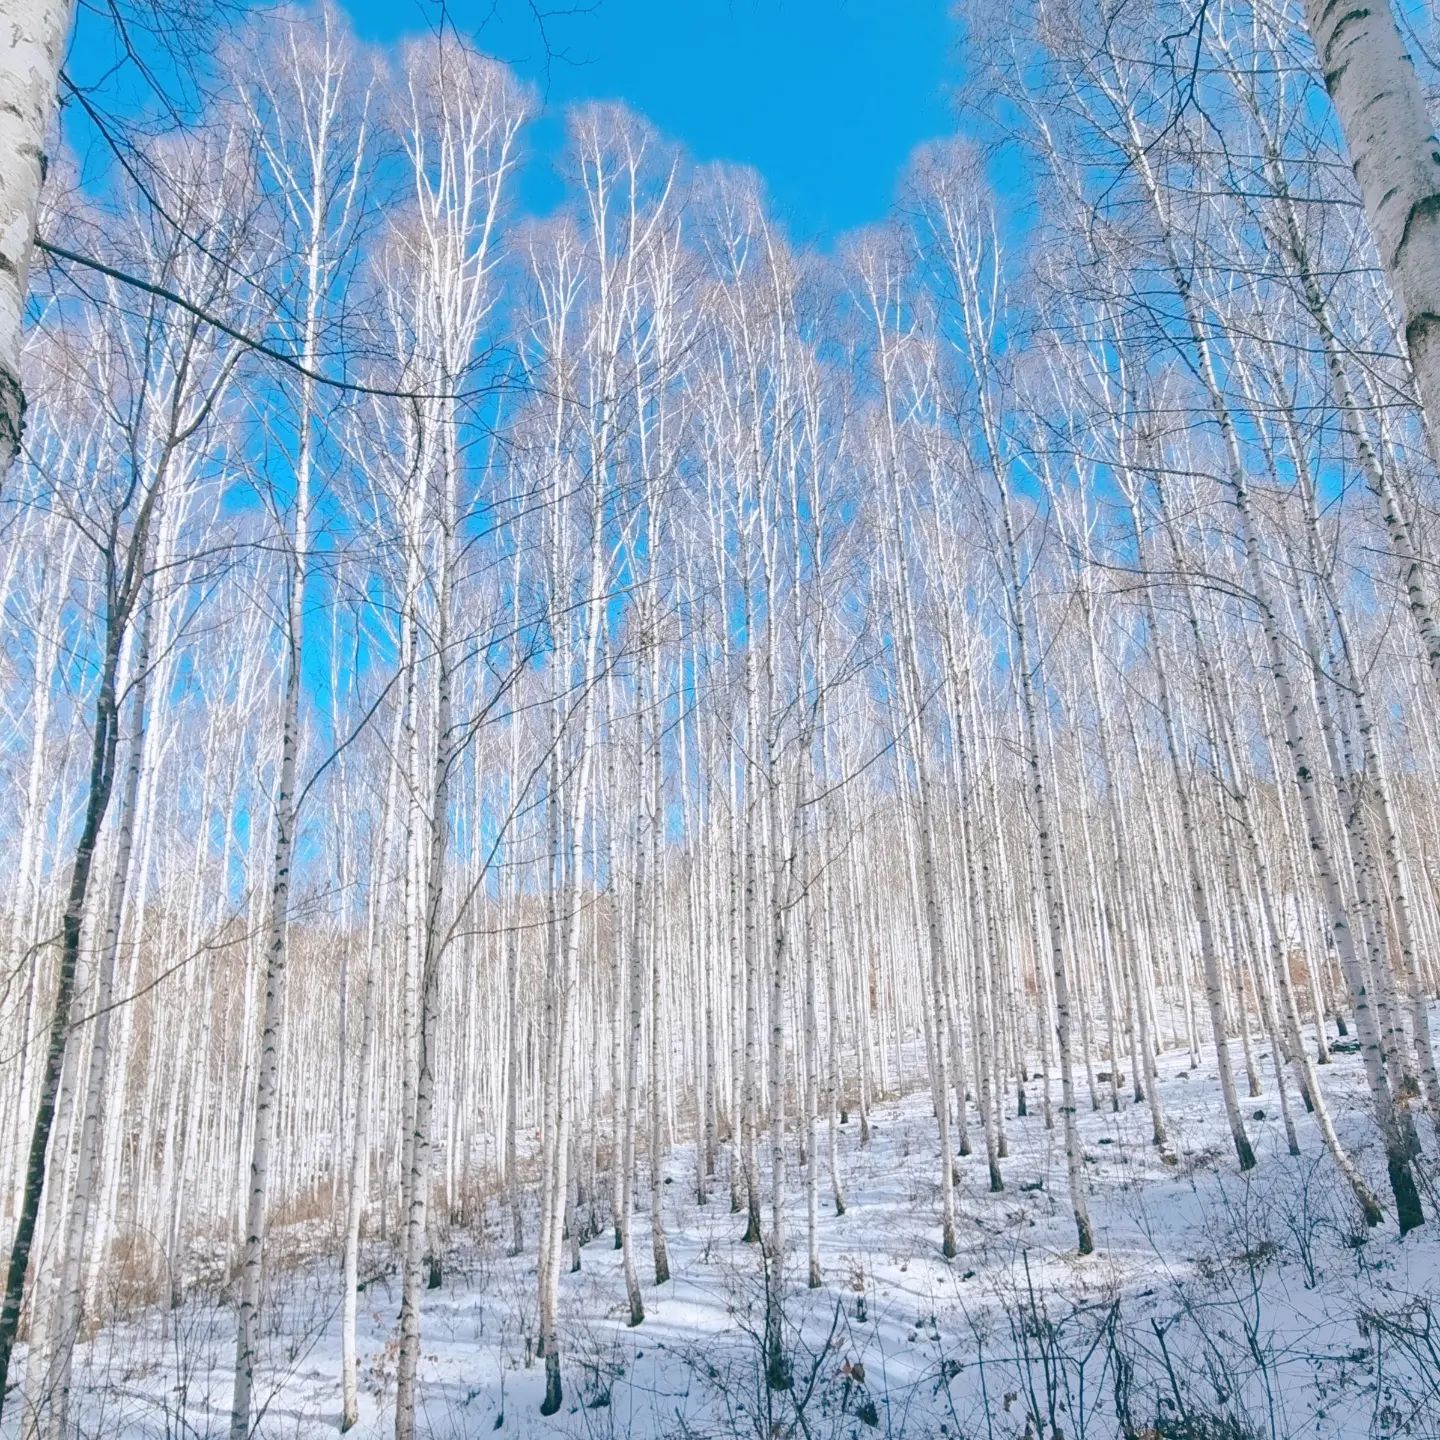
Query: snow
{"x":1217,"y":1304}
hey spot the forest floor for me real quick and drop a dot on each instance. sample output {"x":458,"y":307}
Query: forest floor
{"x":1218,"y":1306}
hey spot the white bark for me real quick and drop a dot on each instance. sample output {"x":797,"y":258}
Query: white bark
{"x":1396,"y":158}
{"x":32,"y":45}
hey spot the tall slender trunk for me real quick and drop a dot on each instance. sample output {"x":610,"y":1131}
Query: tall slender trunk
{"x":125,"y":572}
{"x":66,"y":1323}
{"x":1050,"y":883}
{"x":358,"y":1186}
{"x":276,"y":956}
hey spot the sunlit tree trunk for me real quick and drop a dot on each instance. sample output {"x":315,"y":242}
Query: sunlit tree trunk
{"x":32,"y":46}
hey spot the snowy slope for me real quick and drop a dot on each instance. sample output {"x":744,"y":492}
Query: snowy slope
{"x":1218,"y":1305}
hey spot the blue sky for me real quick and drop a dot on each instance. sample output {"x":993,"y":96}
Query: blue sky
{"x":825,"y":98}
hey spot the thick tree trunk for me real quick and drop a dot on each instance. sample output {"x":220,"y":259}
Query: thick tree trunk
{"x":1396,"y":158}
{"x":32,"y":45}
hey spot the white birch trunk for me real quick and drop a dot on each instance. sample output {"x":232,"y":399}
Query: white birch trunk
{"x":32,"y":45}
{"x":1396,"y":158}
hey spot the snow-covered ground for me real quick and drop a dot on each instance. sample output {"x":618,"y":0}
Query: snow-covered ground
{"x":1217,"y":1306}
